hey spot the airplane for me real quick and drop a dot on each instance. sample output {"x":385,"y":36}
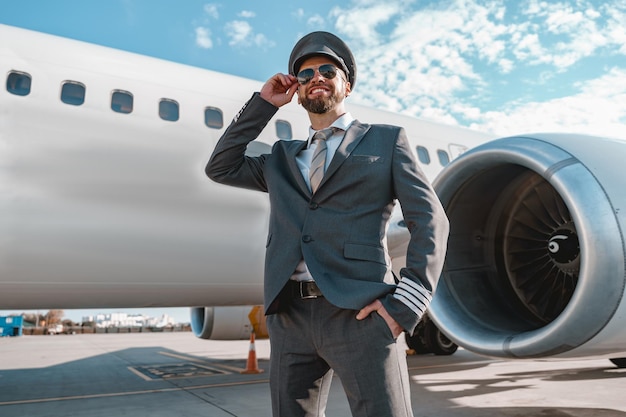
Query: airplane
{"x":104,"y":203}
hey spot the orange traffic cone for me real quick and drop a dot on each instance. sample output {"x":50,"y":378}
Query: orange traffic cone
{"x":252,"y":365}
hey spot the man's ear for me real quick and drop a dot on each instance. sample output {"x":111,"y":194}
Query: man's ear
{"x":348,"y":89}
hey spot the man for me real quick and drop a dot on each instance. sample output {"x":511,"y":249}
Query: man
{"x":330,"y":296}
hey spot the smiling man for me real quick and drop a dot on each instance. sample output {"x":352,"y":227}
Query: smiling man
{"x":332,"y":302}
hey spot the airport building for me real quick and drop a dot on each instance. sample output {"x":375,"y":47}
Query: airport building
{"x":128,"y":320}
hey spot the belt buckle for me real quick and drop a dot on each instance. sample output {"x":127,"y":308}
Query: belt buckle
{"x":308,"y":296}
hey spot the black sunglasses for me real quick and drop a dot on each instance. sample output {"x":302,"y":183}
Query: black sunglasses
{"x":327,"y":71}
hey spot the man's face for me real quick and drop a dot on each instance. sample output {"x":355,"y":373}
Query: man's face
{"x":321,"y":94}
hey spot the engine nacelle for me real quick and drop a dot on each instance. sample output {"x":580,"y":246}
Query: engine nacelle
{"x":536,"y":260}
{"x":228,"y":323}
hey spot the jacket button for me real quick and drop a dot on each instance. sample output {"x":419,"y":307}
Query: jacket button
{"x":314,"y":205}
{"x":307,"y":238}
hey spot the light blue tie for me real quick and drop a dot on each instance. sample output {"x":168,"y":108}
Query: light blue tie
{"x":316,"y":171}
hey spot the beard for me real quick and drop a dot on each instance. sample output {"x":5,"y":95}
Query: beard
{"x":321,"y":105}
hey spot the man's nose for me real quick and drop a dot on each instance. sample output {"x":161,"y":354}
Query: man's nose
{"x":317,"y":75}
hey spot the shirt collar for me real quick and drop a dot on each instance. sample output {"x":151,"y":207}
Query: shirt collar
{"x":343,"y":122}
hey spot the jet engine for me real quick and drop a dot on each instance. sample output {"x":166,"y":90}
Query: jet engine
{"x":535,"y":263}
{"x":228,"y":323}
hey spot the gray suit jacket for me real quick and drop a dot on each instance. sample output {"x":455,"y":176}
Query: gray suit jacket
{"x":340,"y":229}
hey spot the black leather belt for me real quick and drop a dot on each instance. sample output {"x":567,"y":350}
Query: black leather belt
{"x":304,"y":289}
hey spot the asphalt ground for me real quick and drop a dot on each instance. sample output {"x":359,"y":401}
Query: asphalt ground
{"x":176,"y":374}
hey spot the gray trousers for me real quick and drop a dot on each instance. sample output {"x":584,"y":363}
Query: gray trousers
{"x":311,"y":338}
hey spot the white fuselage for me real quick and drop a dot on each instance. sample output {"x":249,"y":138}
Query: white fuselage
{"x":105,"y":209}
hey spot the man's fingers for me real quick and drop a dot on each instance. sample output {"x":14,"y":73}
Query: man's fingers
{"x":292,"y":89}
{"x":288,"y":80}
{"x":368,"y":309}
{"x":280,"y":89}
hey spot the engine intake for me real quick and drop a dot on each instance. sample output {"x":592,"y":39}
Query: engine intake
{"x":535,"y":262}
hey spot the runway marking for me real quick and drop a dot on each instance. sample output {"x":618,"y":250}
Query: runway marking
{"x":139,"y":374}
{"x":123,"y":394}
{"x":82,"y":397}
{"x":184,"y":357}
{"x":176,"y":370}
{"x":192,"y":359}
{"x":192,"y":368}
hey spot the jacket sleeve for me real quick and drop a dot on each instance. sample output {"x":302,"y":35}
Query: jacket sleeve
{"x":428,"y":227}
{"x":228,"y":164}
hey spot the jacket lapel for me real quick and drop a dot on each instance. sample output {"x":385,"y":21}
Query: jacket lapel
{"x":351,"y":139}
{"x":292,"y":165}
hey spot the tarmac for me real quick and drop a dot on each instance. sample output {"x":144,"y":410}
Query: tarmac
{"x":176,"y":374}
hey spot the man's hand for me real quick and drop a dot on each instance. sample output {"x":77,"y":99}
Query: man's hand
{"x":279,"y":89}
{"x":377,"y":306}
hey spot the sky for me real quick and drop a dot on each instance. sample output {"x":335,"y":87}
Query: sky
{"x":502,"y":67}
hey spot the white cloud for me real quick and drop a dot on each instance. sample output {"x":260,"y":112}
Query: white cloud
{"x":203,"y":35}
{"x":427,"y":50}
{"x":361,"y":21}
{"x":242,"y":34}
{"x":239,"y":32}
{"x":527,"y":47}
{"x":615,"y":26}
{"x":298,"y":14}
{"x":506,"y":65}
{"x":595,"y":109}
{"x":564,"y":21}
{"x":445,"y":61}
{"x":247,"y":14}
{"x":578,"y":32}
{"x":211,"y":10}
{"x":203,"y":38}
{"x":316,"y":22}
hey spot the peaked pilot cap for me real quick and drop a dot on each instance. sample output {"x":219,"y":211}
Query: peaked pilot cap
{"x":324,"y":44}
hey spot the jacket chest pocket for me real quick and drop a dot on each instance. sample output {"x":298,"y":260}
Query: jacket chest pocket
{"x":365,"y":159}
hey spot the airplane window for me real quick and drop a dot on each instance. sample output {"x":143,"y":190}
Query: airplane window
{"x":444,"y":159}
{"x":18,"y":83}
{"x":168,"y":110}
{"x":213,"y":117}
{"x":283,"y":129}
{"x":121,"y":101}
{"x":73,"y":93}
{"x":423,"y":155}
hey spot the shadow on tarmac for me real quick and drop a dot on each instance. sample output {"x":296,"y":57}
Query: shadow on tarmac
{"x":169,"y":383}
